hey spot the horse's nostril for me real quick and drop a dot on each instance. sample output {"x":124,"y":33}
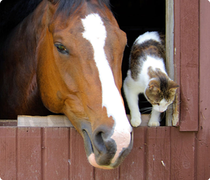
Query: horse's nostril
{"x":100,"y":143}
{"x":104,"y":147}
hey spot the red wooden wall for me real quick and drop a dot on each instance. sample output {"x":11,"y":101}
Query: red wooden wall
{"x":163,"y":153}
{"x":58,"y":153}
{"x":203,"y":137}
{"x":187,"y":61}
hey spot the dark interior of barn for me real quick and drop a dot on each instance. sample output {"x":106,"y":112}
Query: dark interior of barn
{"x":136,"y":17}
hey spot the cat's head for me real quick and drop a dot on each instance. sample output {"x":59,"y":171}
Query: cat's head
{"x":161,"y":94}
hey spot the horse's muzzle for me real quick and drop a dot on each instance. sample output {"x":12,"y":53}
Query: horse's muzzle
{"x":106,"y":148}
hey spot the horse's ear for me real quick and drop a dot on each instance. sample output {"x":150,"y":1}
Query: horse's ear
{"x":51,"y":7}
{"x":53,"y":1}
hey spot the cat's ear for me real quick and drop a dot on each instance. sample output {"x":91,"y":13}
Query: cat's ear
{"x":154,"y":86}
{"x":173,"y":86}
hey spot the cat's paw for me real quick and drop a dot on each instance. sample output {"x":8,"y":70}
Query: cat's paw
{"x":136,"y":121}
{"x":153,"y":124}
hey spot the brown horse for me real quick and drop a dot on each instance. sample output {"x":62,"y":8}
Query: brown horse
{"x":66,"y":57}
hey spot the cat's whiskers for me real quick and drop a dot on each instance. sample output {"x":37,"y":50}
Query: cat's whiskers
{"x":163,"y":114}
{"x":145,"y":110}
{"x":147,"y":76}
{"x":144,"y":102}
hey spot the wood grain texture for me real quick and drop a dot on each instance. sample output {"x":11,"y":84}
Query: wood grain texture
{"x":58,"y":153}
{"x":189,"y":62}
{"x":43,"y":121}
{"x":107,"y":174}
{"x":182,"y":155}
{"x":133,"y":166}
{"x":79,"y":165}
{"x":29,"y":164}
{"x":177,"y":55}
{"x":55,"y":156}
{"x":8,"y":153}
{"x":158,"y":153}
{"x":203,"y":137}
{"x":169,"y":33}
{"x":8,"y":123}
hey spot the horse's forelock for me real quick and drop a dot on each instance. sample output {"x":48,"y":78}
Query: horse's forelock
{"x":69,"y":6}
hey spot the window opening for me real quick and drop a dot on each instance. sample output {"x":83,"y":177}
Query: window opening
{"x":135,"y":17}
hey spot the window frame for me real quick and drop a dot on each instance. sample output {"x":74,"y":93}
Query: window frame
{"x":182,"y":36}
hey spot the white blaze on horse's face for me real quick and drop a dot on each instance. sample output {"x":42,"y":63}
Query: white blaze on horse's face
{"x":95,"y":33}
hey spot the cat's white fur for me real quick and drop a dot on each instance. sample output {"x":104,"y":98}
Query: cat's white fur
{"x":147,"y":36}
{"x":132,"y":88}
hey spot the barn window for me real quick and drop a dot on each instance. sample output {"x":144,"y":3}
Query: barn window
{"x":138,"y":16}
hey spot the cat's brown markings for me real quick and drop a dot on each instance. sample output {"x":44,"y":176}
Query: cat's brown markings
{"x":147,"y":75}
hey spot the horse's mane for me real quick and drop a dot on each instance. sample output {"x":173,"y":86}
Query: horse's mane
{"x":12,"y":12}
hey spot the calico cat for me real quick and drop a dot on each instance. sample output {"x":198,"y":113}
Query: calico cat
{"x":147,"y":74}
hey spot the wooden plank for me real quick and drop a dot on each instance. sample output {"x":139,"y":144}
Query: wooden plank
{"x":189,"y":49}
{"x":182,"y":155}
{"x":29,"y":153}
{"x":170,"y":37}
{"x":55,"y":121}
{"x":55,"y":156}
{"x":177,"y":59}
{"x":8,"y":153}
{"x":158,"y":153}
{"x":203,"y":137}
{"x":169,"y":50}
{"x":144,"y":119}
{"x":107,"y":174}
{"x":79,"y":165}
{"x":8,"y":122}
{"x":202,"y":156}
{"x":133,"y":166}
{"x":44,"y":121}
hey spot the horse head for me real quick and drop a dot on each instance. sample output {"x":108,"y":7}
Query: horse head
{"x":79,"y":74}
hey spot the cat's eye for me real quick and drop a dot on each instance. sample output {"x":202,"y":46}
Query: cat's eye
{"x":61,"y":48}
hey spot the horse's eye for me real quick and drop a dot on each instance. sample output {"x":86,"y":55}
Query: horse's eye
{"x":61,"y":48}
